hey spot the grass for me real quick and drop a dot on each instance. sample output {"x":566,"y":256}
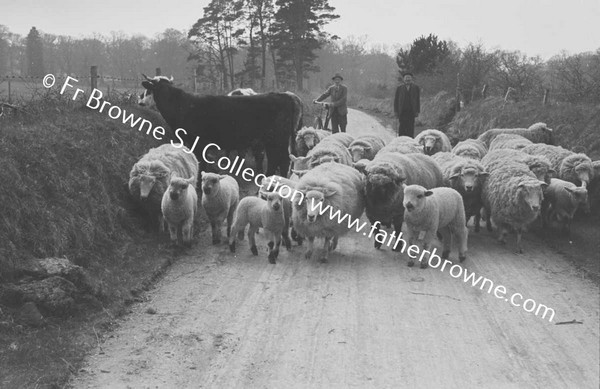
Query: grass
{"x":65,"y":169}
{"x":575,"y":125}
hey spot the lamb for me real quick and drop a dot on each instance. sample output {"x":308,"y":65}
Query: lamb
{"x":470,"y":148}
{"x":509,"y":141}
{"x":307,"y":138}
{"x":179,"y":206}
{"x":433,"y":141}
{"x":403,"y":145}
{"x":569,"y":166}
{"x":538,"y":164}
{"x":512,"y":197}
{"x":331,"y":185}
{"x":466,"y":176}
{"x":257,"y":212}
{"x":221,"y":197}
{"x":384,"y":192}
{"x":365,"y":147}
{"x":281,"y":184}
{"x":562,"y":198}
{"x":537,"y":133}
{"x":430,"y":211}
{"x":149,"y":176}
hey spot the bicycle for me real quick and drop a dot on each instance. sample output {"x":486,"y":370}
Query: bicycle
{"x":319,"y":124}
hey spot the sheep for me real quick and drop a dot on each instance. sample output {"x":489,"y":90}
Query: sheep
{"x":433,"y":210}
{"x":569,"y":166}
{"x":179,"y":206}
{"x":433,"y":141}
{"x":403,"y":145}
{"x":149,"y":176}
{"x":537,"y":133}
{"x":268,"y":214}
{"x":365,"y":147}
{"x":307,"y":138}
{"x":538,"y":164}
{"x":334,"y":148}
{"x":470,"y":148}
{"x":466,"y":176}
{"x":512,"y":197}
{"x":331,"y":185}
{"x":281,"y":184}
{"x":509,"y":141}
{"x":384,"y":193}
{"x":221,"y":197}
{"x":561,"y":200}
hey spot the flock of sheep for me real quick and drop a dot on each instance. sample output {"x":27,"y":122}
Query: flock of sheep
{"x":510,"y":177}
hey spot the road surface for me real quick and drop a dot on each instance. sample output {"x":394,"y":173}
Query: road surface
{"x":363,"y":320}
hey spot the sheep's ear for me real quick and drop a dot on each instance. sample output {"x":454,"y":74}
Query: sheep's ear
{"x":543,"y":184}
{"x":428,"y":193}
{"x":483,"y":174}
{"x":200,"y":174}
{"x":293,"y":158}
{"x":336,"y":159}
{"x":190,"y":180}
{"x":262,"y":194}
{"x":221,"y":176}
{"x":367,"y":148}
{"x":455,"y":176}
{"x":171,"y":176}
{"x":329,"y":192}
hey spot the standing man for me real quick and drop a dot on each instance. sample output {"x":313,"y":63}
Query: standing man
{"x":338,"y":109}
{"x":407,"y":105}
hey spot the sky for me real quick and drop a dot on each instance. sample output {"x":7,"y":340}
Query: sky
{"x":535,"y":27}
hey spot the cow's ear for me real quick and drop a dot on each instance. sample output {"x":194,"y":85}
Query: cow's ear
{"x":147,"y":85}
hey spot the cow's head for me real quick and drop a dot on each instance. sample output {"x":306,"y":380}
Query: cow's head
{"x":146,"y":98}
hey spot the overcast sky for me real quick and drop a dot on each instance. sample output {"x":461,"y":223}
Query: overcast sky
{"x":535,"y":27}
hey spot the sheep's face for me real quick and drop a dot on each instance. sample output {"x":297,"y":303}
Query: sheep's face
{"x":299,"y":163}
{"x":428,"y":143}
{"x":541,"y":172}
{"x":381,"y":188}
{"x":469,"y":178}
{"x":358,"y":153}
{"x":211,"y":182}
{"x":531,"y":195}
{"x":579,"y":196}
{"x":315,"y":202}
{"x":274,"y":201}
{"x":583,"y":173}
{"x":415,"y":198}
{"x":146,"y":185}
{"x":178,"y":188}
{"x":310,"y":140}
{"x":468,"y":153}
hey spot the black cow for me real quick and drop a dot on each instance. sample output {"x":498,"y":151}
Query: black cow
{"x":269,"y":120}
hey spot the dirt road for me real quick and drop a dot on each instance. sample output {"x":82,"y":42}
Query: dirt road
{"x":363,"y":320}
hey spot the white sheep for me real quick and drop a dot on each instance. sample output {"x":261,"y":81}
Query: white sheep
{"x":149,"y":176}
{"x":285,"y":187}
{"x":365,"y":147}
{"x":429,"y":211}
{"x":561,"y":200}
{"x":470,"y":148}
{"x":328,"y":189}
{"x":179,"y":206}
{"x":433,"y":141}
{"x":512,"y":198}
{"x":466,"y":176}
{"x":220,"y":199}
{"x":569,"y":166}
{"x":537,"y":133}
{"x":538,"y":164}
{"x":307,"y":138}
{"x":267,"y":214}
{"x":403,"y":145}
{"x":509,"y":141}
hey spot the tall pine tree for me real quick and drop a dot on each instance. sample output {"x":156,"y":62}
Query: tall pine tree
{"x":34,"y":53}
{"x":297,"y":33}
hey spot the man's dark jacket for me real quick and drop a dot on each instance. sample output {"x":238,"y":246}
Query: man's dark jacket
{"x":414,"y":99}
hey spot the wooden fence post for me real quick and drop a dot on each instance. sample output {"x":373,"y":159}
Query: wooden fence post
{"x":158,"y":71}
{"x":546,"y":94}
{"x":94,"y":77}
